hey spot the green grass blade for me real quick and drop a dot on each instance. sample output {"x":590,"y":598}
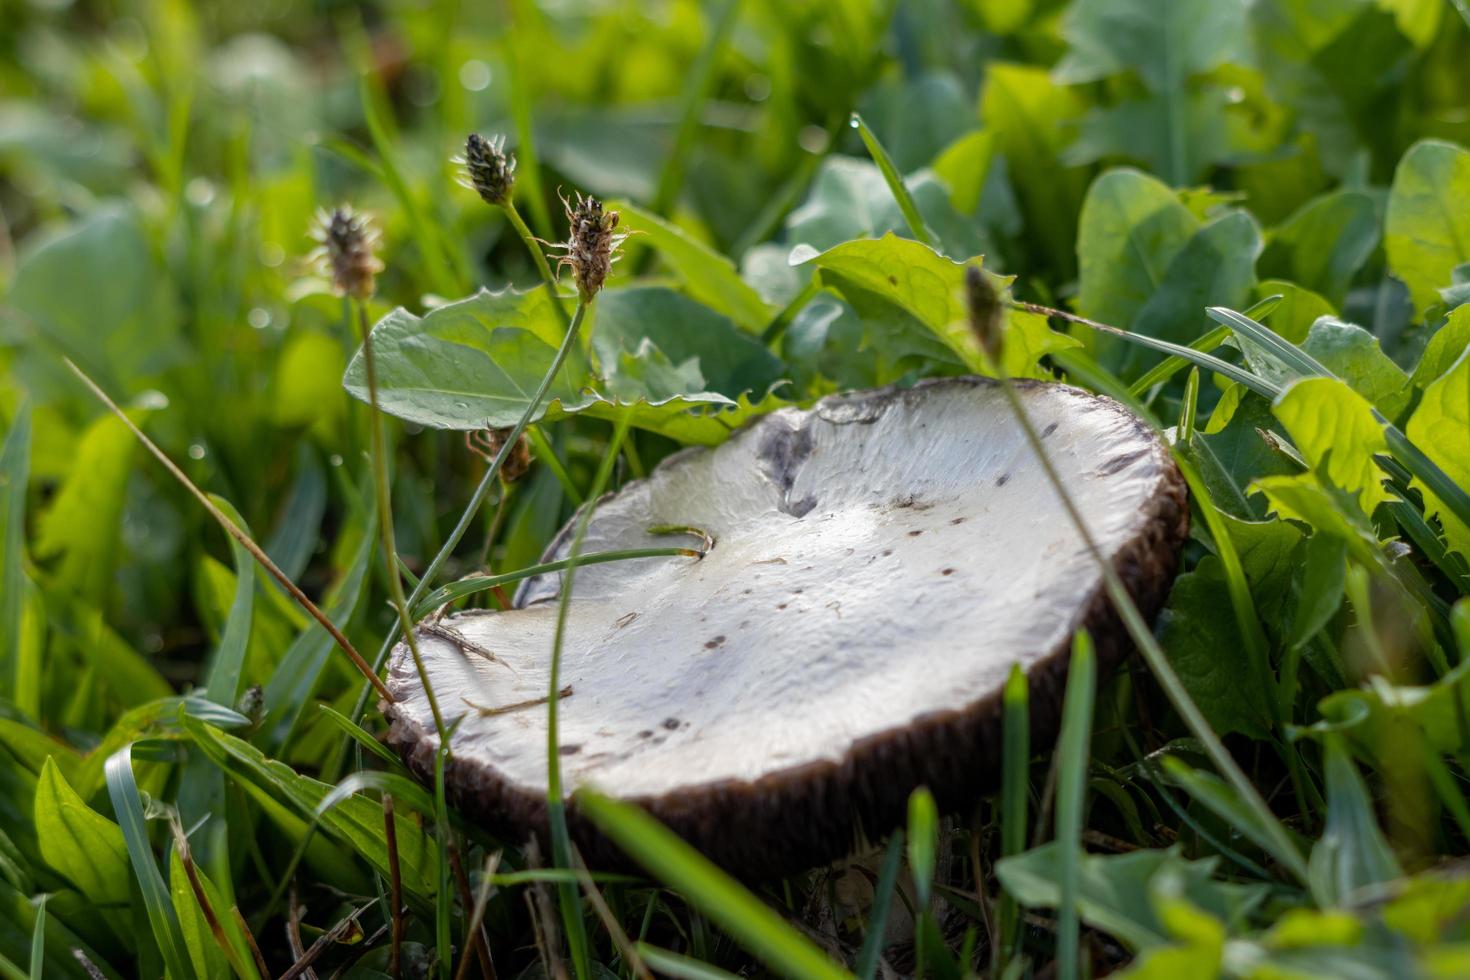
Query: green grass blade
{"x":697,"y":85}
{"x":561,"y":846}
{"x":127,"y":803}
{"x":1015,"y":770}
{"x":38,"y":941}
{"x":1072,"y":761}
{"x":1289,"y":355}
{"x":1170,"y":366}
{"x":430,"y":245}
{"x":223,"y":686}
{"x":360,"y":735}
{"x":748,"y":920}
{"x":867,"y":961}
{"x":672,"y":964}
{"x":923,"y":841}
{"x":1188,"y":406}
{"x":14,"y":470}
{"x":1454,"y":496}
{"x":917,"y":227}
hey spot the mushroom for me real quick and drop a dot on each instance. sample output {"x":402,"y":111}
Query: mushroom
{"x":879,"y":562}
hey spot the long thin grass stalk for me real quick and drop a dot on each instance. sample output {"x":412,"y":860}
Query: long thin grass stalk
{"x":477,"y":915}
{"x":466,"y":519}
{"x":696,"y":93}
{"x":384,"y":489}
{"x":395,"y":889}
{"x":1015,"y":768}
{"x":561,"y":854}
{"x":1072,"y":756}
{"x":244,"y":540}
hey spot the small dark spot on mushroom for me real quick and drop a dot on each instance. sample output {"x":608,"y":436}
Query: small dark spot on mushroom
{"x":781,"y":606}
{"x":747,"y":592}
{"x":671,"y":723}
{"x":645,"y":734}
{"x":887,"y":552}
{"x":915,"y":534}
{"x":569,"y":749}
{"x":958,"y":520}
{"x":797,"y":591}
{"x":1003,"y":479}
{"x":1120,"y":462}
{"x":947,"y":571}
{"x":624,"y":620}
{"x":1049,"y":430}
{"x":717,"y":641}
{"x":744,"y":623}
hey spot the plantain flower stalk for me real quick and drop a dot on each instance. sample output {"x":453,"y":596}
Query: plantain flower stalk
{"x":346,"y":251}
{"x":592,"y":244}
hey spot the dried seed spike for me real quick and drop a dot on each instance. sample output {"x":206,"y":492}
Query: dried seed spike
{"x":591,"y":247}
{"x":986,"y":317}
{"x":346,"y":243}
{"x":487,"y":169}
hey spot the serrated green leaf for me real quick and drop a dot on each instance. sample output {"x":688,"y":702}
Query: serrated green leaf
{"x":1132,"y":226}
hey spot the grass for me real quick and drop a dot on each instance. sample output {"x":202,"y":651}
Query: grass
{"x":1276,"y":781}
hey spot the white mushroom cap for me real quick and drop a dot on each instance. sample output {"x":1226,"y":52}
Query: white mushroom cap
{"x":880,"y":562}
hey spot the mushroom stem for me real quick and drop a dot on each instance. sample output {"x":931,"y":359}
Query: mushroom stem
{"x":1148,"y":646}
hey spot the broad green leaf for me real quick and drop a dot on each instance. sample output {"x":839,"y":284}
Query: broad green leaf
{"x":78,"y":843}
{"x":1324,"y":243}
{"x":1132,"y":226}
{"x":1180,"y":135}
{"x":930,"y":288}
{"x":1353,"y":354}
{"x":964,"y":166}
{"x":82,"y":526}
{"x":709,"y":276}
{"x":1444,"y":348}
{"x":1298,"y":310}
{"x":1320,"y":592}
{"x":1417,"y":20}
{"x":305,"y":389}
{"x":1335,"y":67}
{"x":1115,"y":890}
{"x":1031,"y":116}
{"x":730,"y":361}
{"x":1440,"y":427}
{"x":457,"y":368}
{"x":356,"y":822}
{"x":1163,"y":45}
{"x":96,"y":292}
{"x":1428,"y":232}
{"x":1352,"y":854}
{"x":1200,"y":637}
{"x":32,"y":747}
{"x":850,"y":199}
{"x":1216,"y":266}
{"x":1333,"y":425}
{"x":746,"y":918}
{"x":15,"y":461}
